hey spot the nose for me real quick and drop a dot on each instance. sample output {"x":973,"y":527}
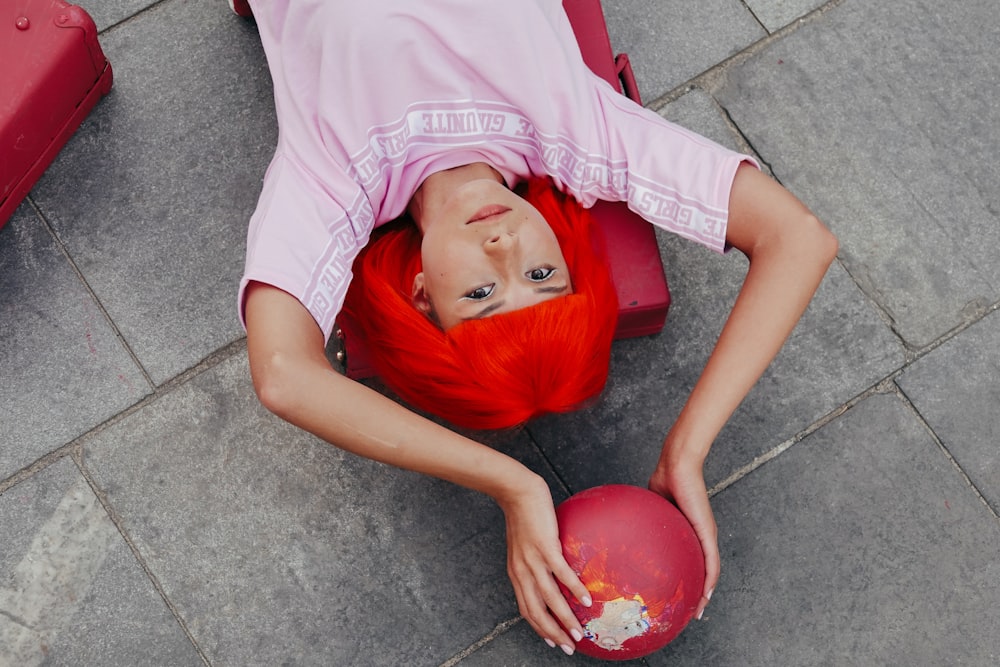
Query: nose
{"x":499,"y":241}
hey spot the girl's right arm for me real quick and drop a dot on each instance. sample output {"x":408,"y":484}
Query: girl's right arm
{"x":295,"y":381}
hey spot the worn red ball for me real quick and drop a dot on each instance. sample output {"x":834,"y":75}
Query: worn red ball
{"x":641,"y":561}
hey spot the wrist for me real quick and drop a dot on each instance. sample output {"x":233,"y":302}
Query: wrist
{"x":521,"y":490}
{"x":679,"y":454}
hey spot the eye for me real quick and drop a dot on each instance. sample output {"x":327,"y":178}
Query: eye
{"x":480,"y":293}
{"x":540,"y":274}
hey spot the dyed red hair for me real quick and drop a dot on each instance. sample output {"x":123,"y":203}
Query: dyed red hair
{"x":503,"y":370}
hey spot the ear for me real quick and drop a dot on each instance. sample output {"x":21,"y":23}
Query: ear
{"x":418,"y":296}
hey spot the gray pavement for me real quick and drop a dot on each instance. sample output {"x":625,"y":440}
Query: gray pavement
{"x":152,"y":513}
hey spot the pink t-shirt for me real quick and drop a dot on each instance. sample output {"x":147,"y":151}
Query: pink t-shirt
{"x":372,"y":96}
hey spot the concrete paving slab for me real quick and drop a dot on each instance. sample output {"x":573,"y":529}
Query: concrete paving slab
{"x":63,"y":369}
{"x":776,"y":14}
{"x":153,"y":194}
{"x":956,"y":388}
{"x":671,"y":41}
{"x":860,"y":545}
{"x":880,"y":117}
{"x":71,"y":593}
{"x":840,"y":349}
{"x":276,"y":548}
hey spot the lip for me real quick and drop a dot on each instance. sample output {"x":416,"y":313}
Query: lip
{"x":486,"y":213}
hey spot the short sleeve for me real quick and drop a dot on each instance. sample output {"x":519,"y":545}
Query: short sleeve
{"x":301,"y":241}
{"x":674,"y":178}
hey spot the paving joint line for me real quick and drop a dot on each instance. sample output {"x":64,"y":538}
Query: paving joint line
{"x":756,"y":18}
{"x":915,"y":411}
{"x":207,"y":363}
{"x":214,"y":359}
{"x":90,"y":291}
{"x":132,"y":17}
{"x":709,"y":79}
{"x":563,"y":484}
{"x":916,"y":353}
{"x":881,"y":387}
{"x":500,"y":629}
{"x":40,"y":464}
{"x":118,"y":522}
{"x":886,"y":386}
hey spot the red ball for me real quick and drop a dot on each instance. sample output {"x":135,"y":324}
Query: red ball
{"x":641,"y":561}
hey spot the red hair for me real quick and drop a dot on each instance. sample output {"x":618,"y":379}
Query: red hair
{"x":503,"y":370}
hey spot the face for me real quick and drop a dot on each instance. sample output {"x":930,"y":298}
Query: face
{"x":488,"y":251}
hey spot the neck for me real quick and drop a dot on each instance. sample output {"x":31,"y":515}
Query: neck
{"x":437,"y":187}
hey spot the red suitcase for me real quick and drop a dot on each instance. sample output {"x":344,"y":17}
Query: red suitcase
{"x":633,"y":254}
{"x":52,"y":73}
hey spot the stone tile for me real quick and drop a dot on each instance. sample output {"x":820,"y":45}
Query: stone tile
{"x":71,"y":593}
{"x":153,"y":194}
{"x":956,"y":388}
{"x":880,"y":116}
{"x":63,"y":369}
{"x":860,"y":545}
{"x":107,"y":13}
{"x":776,"y":14}
{"x":671,"y":41}
{"x":277,"y":548}
{"x":839,"y":349}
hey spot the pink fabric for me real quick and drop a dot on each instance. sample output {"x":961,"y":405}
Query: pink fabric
{"x":373,"y":96}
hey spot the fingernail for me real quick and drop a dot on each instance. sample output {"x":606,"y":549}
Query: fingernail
{"x":577,"y":635}
{"x":700,"y":613}
{"x":567,"y":649}
{"x":709,"y":596}
{"x":551,"y":643}
{"x":586,"y":601}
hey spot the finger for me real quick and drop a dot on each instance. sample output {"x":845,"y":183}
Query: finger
{"x":712,"y":569}
{"x":705,"y":531}
{"x":533,"y":607}
{"x":560,"y":608}
{"x":538,"y":617}
{"x":710,"y":548}
{"x":558,"y":613}
{"x":699,"y":513}
{"x":565,"y":574}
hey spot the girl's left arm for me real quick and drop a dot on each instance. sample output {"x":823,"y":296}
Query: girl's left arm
{"x":789,"y":251}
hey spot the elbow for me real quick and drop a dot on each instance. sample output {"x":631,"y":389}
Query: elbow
{"x":804,"y":244}
{"x":273,"y":382}
{"x":825,"y":242}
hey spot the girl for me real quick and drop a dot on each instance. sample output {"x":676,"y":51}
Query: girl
{"x":444,"y":110}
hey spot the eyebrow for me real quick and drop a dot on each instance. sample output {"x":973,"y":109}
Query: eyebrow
{"x":485,"y":311}
{"x":499,"y":304}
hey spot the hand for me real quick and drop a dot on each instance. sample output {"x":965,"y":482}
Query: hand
{"x":683,"y":483}
{"x":535,"y":562}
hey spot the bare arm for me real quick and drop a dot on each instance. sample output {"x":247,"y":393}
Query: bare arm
{"x":789,"y":252}
{"x":294,"y":380}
